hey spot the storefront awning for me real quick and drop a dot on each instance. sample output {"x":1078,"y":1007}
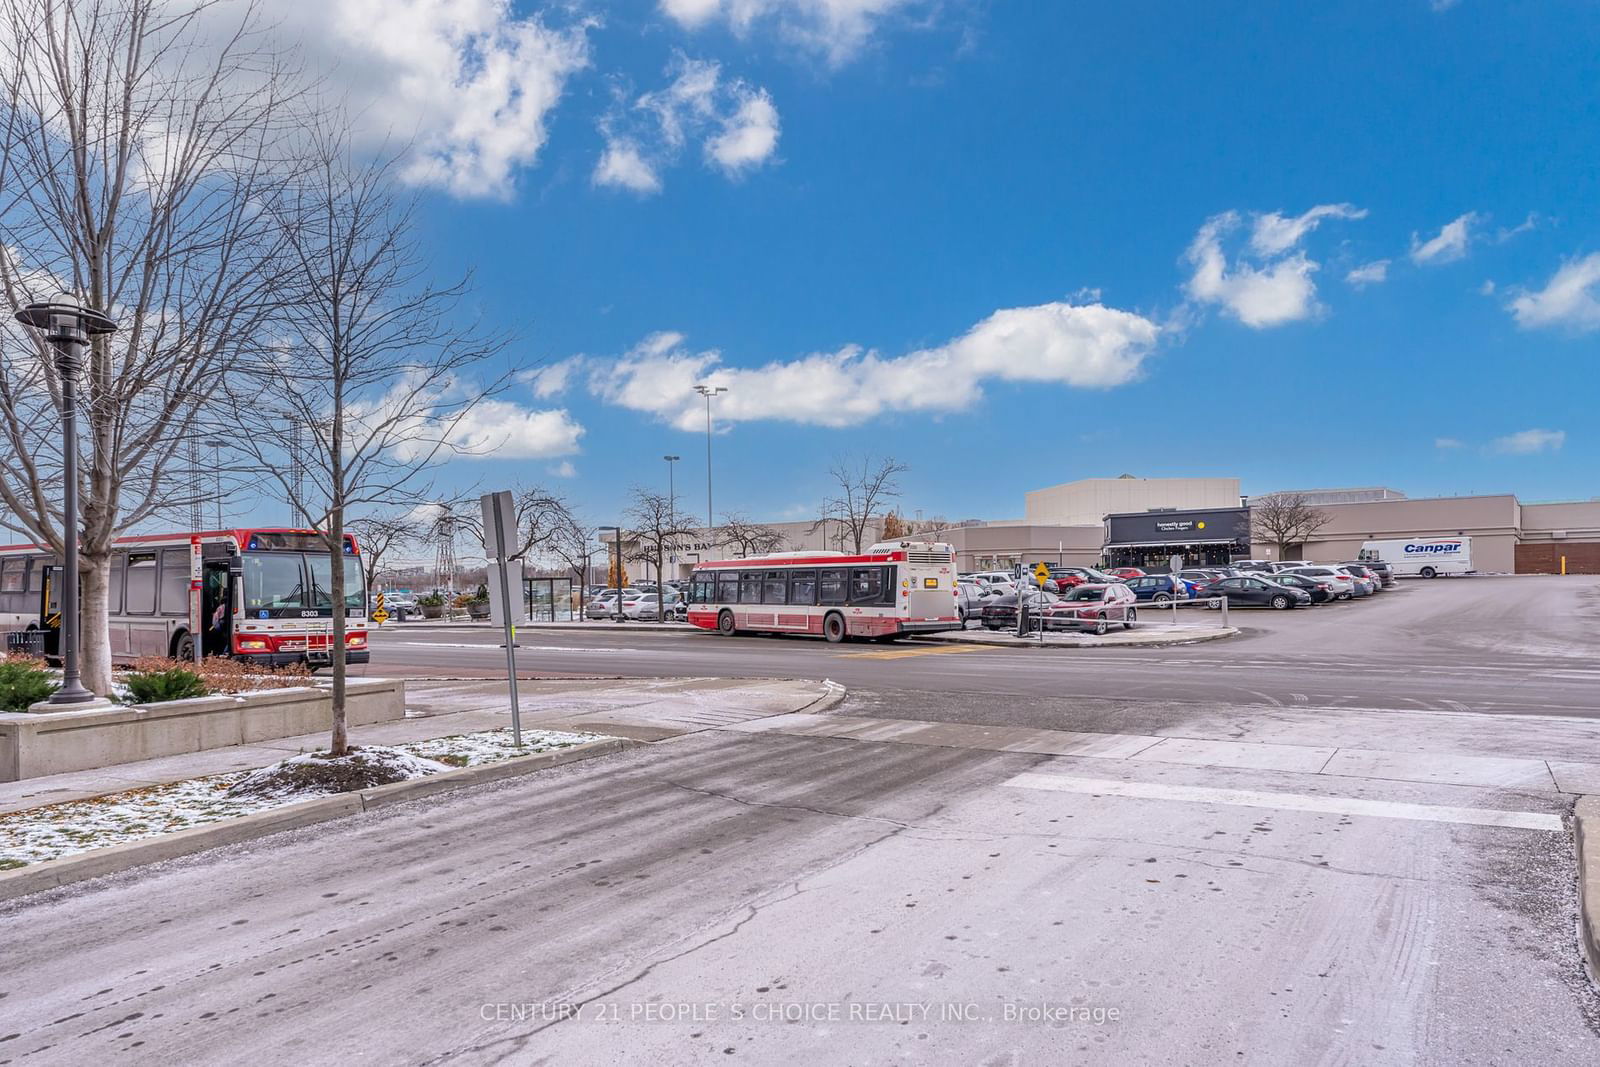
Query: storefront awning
{"x":1172,"y":544}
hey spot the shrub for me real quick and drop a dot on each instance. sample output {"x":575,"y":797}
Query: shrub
{"x":431,"y":600}
{"x":223,"y":674}
{"x":154,"y":687}
{"x":24,"y":682}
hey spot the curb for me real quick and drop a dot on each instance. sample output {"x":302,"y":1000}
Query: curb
{"x":1586,"y":832}
{"x":96,"y":863}
{"x":1013,"y":642}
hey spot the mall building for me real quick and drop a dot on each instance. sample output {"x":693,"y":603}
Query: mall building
{"x":1144,"y":522}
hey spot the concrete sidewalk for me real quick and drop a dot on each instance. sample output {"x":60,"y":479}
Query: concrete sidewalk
{"x":643,"y":710}
{"x":1146,"y":635}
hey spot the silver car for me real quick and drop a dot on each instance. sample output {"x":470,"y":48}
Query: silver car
{"x":1345,"y":585}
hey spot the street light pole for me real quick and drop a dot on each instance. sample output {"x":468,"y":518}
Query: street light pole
{"x":616,"y":539}
{"x":216,"y":469}
{"x":708,"y":392}
{"x":672,"y":498}
{"x":68,"y":325}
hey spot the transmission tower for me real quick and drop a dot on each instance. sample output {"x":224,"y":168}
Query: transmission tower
{"x":444,"y":533}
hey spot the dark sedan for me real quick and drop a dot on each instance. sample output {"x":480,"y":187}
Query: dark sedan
{"x":1000,"y":612}
{"x":1255,"y":592}
{"x":1320,"y":592}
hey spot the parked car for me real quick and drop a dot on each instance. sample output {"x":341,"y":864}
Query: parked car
{"x":604,"y":606}
{"x":1158,"y":588}
{"x":1366,"y":585}
{"x":1384,"y":572}
{"x":1067,"y":577}
{"x":1362,"y":571}
{"x":1253,"y":566}
{"x":1093,"y":606}
{"x":1345,"y":586}
{"x":970,"y":596}
{"x":674,"y":606}
{"x":1000,"y":609}
{"x":1369,"y":572}
{"x":1320,"y":591}
{"x":1126,"y":573}
{"x":1256,"y":592}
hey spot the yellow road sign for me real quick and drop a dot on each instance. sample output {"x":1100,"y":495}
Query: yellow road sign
{"x":1041,"y":572}
{"x":379,"y":616}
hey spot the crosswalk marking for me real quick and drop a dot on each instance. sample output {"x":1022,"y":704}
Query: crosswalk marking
{"x":1250,"y":798}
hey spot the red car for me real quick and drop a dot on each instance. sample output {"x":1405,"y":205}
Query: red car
{"x":1093,"y":607}
{"x":1126,"y":572}
{"x":1070,"y":577}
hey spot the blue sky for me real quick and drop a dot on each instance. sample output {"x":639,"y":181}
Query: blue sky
{"x":1014,"y":244}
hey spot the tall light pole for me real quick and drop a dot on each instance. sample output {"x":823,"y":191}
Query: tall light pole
{"x":616,"y":538}
{"x":708,"y":392}
{"x":68,"y":325}
{"x":216,"y":469}
{"x":672,"y":497}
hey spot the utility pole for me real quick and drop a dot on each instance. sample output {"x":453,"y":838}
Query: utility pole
{"x":708,"y":392}
{"x":672,"y":497}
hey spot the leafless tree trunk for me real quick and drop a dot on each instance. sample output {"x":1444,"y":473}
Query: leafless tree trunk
{"x":373,"y":381}
{"x":747,"y":538}
{"x":1286,"y":520}
{"x":137,"y":151}
{"x":654,"y":527}
{"x":541,"y":517}
{"x":864,"y":487}
{"x":573,"y":544}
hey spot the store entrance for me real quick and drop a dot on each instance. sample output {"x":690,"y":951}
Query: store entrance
{"x":1154,"y":559}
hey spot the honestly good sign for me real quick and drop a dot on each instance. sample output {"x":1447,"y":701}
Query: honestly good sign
{"x":1179,"y":527}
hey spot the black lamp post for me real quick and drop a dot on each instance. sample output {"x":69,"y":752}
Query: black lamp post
{"x":68,"y":325}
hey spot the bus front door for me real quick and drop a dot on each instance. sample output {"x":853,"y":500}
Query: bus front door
{"x":216,"y":608}
{"x":50,"y":609}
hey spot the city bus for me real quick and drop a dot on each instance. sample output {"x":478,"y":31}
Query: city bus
{"x":893,"y":589}
{"x":255,"y":594}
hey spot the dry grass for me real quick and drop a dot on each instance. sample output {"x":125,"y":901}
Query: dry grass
{"x":224,"y":675}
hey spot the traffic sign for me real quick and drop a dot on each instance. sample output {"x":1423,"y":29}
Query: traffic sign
{"x":1041,"y":572}
{"x":380,"y":614}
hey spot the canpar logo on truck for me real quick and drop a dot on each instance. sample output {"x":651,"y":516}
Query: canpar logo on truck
{"x":1433,"y":547}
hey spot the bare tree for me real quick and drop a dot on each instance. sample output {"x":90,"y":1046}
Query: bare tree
{"x":573,"y":546}
{"x":541,"y":517}
{"x":373,"y":382}
{"x":137,"y":151}
{"x":864,"y":487}
{"x":653,"y":527}
{"x":747,"y":538}
{"x":379,"y":535}
{"x":1285,"y":520}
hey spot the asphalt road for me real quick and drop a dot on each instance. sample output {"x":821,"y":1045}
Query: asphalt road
{"x":896,"y":894}
{"x":1497,"y":645}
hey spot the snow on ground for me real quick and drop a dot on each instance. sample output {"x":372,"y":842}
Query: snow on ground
{"x":58,"y":830}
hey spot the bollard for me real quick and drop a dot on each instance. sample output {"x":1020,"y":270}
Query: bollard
{"x":1224,"y":611}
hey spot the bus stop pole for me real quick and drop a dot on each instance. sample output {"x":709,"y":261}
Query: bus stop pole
{"x":501,"y":539}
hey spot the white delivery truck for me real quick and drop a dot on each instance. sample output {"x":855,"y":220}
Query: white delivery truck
{"x":1421,"y":557}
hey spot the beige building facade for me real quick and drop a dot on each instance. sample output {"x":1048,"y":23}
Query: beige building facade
{"x":1088,"y":501}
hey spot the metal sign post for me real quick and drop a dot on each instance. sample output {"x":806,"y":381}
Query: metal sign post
{"x":499,"y":530}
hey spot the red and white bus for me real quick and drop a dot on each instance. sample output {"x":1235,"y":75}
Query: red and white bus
{"x":894,"y":588}
{"x":255,"y":594}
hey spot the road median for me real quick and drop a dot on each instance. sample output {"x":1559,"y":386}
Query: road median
{"x":99,"y":862}
{"x":1586,"y":832}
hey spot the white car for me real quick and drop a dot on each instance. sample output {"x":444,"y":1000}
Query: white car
{"x":1346,"y":586}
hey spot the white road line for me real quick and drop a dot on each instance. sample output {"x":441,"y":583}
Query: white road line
{"x":1249,"y":798}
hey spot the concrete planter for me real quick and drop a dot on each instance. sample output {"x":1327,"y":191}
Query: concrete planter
{"x":33,"y":744}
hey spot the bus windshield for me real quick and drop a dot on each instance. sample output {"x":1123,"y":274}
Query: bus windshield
{"x":355,"y":592}
{"x":295,"y":584}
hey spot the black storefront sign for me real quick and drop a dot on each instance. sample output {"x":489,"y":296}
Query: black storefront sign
{"x":1147,"y":539}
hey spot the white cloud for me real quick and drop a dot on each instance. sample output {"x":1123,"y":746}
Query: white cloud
{"x":1373,"y":273}
{"x":623,"y":166}
{"x":553,"y":378}
{"x":468,"y":83}
{"x":1449,"y":245}
{"x":1273,"y":234}
{"x":500,"y":429}
{"x":736,"y":122}
{"x":834,"y":28}
{"x":1084,"y":346}
{"x":1275,"y":288}
{"x":1567,"y":300}
{"x":564,"y":469}
{"x":1448,"y":443}
{"x":1487,"y":288}
{"x":749,"y":136}
{"x":1529,"y":442}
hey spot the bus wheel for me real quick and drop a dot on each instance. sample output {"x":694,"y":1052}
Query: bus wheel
{"x":183,"y":648}
{"x":833,"y":628}
{"x":1429,"y":572}
{"x":725,"y":624}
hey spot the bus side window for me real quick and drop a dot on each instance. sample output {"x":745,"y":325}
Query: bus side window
{"x":803,"y":587}
{"x":775,"y":588}
{"x":119,"y":563}
{"x":832,"y":587}
{"x":866,"y":585}
{"x":727,"y":588}
{"x":888,"y":587}
{"x":750,"y":587}
{"x":174,"y":581}
{"x":141,"y":583}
